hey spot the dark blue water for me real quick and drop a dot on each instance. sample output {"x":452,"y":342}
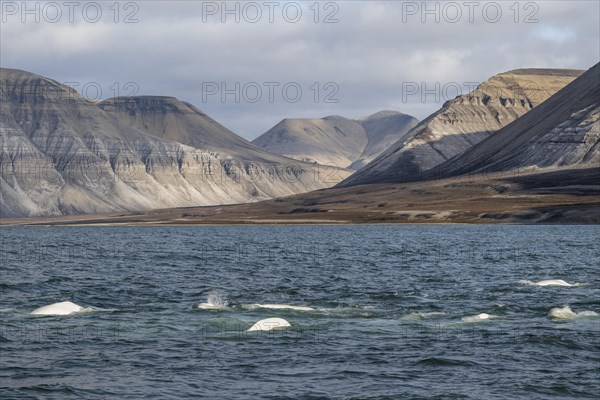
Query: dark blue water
{"x":391,"y":318}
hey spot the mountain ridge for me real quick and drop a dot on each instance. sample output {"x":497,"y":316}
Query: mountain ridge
{"x":461,"y":123}
{"x":563,"y":131}
{"x":63,"y":154}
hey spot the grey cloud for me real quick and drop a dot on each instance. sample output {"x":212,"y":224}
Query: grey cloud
{"x":369,"y":54}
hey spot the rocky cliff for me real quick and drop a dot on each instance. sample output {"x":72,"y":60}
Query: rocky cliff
{"x":463,"y":122}
{"x":563,"y":132}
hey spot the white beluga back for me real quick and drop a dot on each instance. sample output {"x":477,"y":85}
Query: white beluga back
{"x":269,"y":324}
{"x":475,"y":318}
{"x":548,"y":282}
{"x":284,"y":307}
{"x":63,"y":308}
{"x":553,"y":282}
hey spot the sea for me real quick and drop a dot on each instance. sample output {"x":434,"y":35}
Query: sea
{"x":374,"y":312}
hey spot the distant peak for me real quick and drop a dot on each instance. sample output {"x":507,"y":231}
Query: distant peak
{"x":544,"y":71}
{"x":11,"y":74}
{"x":142,"y":99}
{"x":19,"y":85}
{"x":381,"y":114}
{"x":15,"y":72}
{"x":148,"y":104}
{"x":335,"y":118}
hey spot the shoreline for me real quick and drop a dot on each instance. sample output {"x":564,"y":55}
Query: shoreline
{"x":551,"y":198}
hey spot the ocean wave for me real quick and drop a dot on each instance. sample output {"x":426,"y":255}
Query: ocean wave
{"x":450,"y":362}
{"x":422,"y":315}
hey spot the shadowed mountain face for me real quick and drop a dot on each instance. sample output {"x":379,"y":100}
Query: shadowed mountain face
{"x":461,"y":123}
{"x":61,"y":154}
{"x":562,"y":132}
{"x":336,"y":140}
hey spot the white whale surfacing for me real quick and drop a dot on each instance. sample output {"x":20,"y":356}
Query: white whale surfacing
{"x":565,"y":312}
{"x":269,"y":324}
{"x":63,"y":308}
{"x":284,"y":307}
{"x":476,"y":318}
{"x":548,"y":282}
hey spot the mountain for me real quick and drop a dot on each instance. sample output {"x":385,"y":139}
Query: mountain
{"x":543,"y":167}
{"x":383,"y":130}
{"x":563,"y":132}
{"x":62,"y":154}
{"x":170,"y":119}
{"x":336,"y":140}
{"x":463,"y":122}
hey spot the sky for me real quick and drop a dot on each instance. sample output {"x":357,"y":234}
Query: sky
{"x":251,"y":64}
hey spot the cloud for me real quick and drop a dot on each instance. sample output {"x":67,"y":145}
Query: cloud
{"x":554,"y":34}
{"x":176,"y":48}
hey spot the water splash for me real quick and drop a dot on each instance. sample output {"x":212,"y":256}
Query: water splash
{"x":422,"y":315}
{"x":214,"y":301}
{"x":565,"y":312}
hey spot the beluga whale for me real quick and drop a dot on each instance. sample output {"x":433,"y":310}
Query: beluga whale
{"x":553,"y":282}
{"x":269,"y":324}
{"x":548,"y":282}
{"x":62,"y":308}
{"x":284,"y":307}
{"x":475,"y":318}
